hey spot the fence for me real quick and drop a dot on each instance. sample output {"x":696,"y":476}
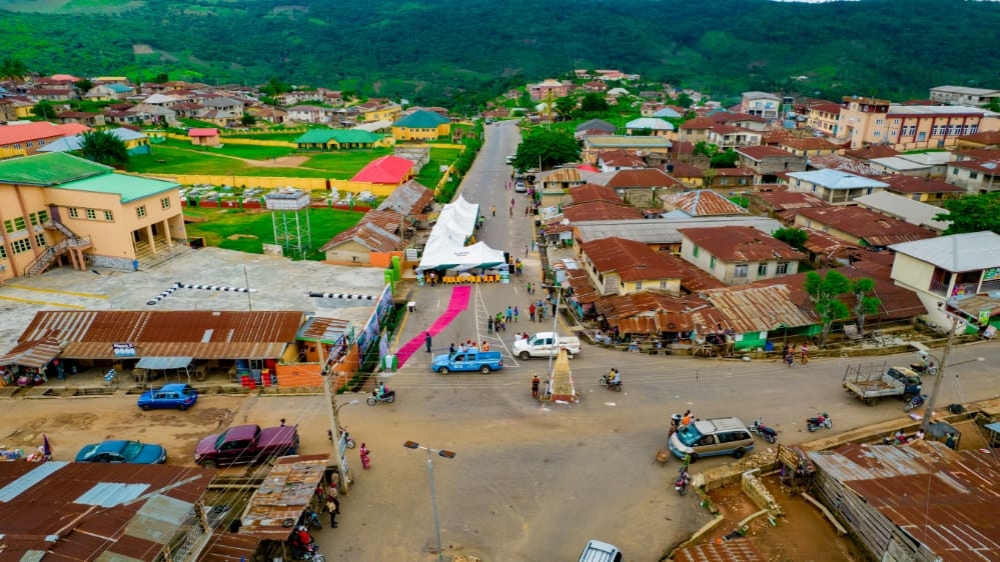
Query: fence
{"x":264,"y":182}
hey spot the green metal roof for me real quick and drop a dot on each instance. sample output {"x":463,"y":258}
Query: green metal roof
{"x":421,"y":119}
{"x":342,"y":136}
{"x":130,"y":188}
{"x":49,"y":169}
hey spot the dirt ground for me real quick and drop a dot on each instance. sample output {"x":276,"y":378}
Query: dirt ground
{"x":802,"y":535}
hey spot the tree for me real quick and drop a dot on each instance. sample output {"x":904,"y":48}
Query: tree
{"x":248,"y":120}
{"x":565,"y":106}
{"x":44,"y":110}
{"x":864,"y":303}
{"x":547,"y":148}
{"x":825,"y":293}
{"x":594,"y":102}
{"x":83,"y":85}
{"x":13,"y":69}
{"x":705,"y":149}
{"x":684,"y":100}
{"x":973,"y":213}
{"x":161,"y":78}
{"x":794,"y":237}
{"x":274,"y":87}
{"x":727,"y":159}
{"x":994,"y":105}
{"x":104,"y":148}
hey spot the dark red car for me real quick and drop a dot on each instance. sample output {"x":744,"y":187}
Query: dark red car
{"x":246,"y":444}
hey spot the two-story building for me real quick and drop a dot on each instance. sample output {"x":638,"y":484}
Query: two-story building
{"x":925,"y":190}
{"x":769,"y":161}
{"x":963,"y":95}
{"x":727,"y":136}
{"x":961,"y":270}
{"x":309,"y":114}
{"x":834,"y":186}
{"x":975,"y":176}
{"x":761,"y":104}
{"x":653,"y":126}
{"x":548,"y":88}
{"x":26,"y":139}
{"x":825,"y":118}
{"x":738,"y":255}
{"x":859,"y":227}
{"x":56,"y":205}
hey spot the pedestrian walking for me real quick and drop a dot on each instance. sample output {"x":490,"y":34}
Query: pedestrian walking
{"x":805,"y":353}
{"x":512,"y":212}
{"x":527,"y":210}
{"x":553,"y":308}
{"x":513,"y":203}
{"x":515,"y":314}
{"x":510,"y":314}
{"x":427,"y":341}
{"x":525,"y":250}
{"x":531,"y":312}
{"x":534,"y":386}
{"x":493,"y":209}
{"x":789,"y":356}
{"x":333,"y":506}
{"x":365,"y":459}
{"x":489,"y":325}
{"x":529,"y":287}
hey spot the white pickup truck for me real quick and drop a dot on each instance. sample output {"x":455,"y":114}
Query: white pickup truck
{"x":544,"y":344}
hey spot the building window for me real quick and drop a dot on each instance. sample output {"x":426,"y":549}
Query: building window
{"x":3,"y":252}
{"x":14,"y":224}
{"x":140,"y":211}
{"x":934,"y":131}
{"x":921,"y":136}
{"x":695,"y":251}
{"x":20,"y":245}
{"x":165,"y":203}
{"x":954,"y":171}
{"x":741,"y":270}
{"x":91,"y":214}
{"x":761,"y":270}
{"x":711,"y":262}
{"x":782,"y":268}
{"x":878,"y":121}
{"x":638,"y":285}
{"x":40,"y":239}
{"x":74,"y":212}
{"x":973,"y":175}
{"x":663,"y":285}
{"x":109,"y":216}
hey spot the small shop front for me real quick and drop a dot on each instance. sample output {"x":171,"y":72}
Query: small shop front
{"x":32,"y":363}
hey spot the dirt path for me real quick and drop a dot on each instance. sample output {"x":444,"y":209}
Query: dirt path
{"x":280,"y":162}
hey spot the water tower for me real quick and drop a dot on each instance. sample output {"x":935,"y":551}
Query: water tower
{"x":290,"y":218}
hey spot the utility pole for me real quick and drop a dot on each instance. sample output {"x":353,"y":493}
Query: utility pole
{"x":332,"y":411}
{"x":942,"y":365}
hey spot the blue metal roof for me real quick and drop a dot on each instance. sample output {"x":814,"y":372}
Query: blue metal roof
{"x":27,"y":481}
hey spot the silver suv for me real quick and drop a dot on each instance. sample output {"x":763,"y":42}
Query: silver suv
{"x":717,"y":436}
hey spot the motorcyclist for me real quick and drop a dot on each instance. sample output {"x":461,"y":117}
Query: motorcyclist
{"x":301,"y":538}
{"x":613,"y":378}
{"x":380,"y":391}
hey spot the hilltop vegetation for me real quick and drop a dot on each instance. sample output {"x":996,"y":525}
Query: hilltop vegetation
{"x":463,"y":52}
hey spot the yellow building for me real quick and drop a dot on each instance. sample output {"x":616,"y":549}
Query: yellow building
{"x":388,"y":112}
{"x":869,"y":121}
{"x":421,"y":125}
{"x":55,"y":206}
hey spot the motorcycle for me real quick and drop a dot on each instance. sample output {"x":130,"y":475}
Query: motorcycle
{"x":915,"y":402}
{"x":616,"y":386}
{"x":347,"y":436}
{"x":304,"y":546}
{"x":389,"y":397}
{"x":760,"y":430}
{"x":928,"y":368}
{"x":310,"y":518}
{"x":682,"y":481}
{"x":819,"y":422}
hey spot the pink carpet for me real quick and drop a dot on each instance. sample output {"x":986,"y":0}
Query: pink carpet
{"x":459,"y":302}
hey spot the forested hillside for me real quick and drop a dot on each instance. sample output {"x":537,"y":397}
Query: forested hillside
{"x":433,"y":50}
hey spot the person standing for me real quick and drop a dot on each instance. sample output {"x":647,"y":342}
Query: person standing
{"x":531,"y":312}
{"x":493,"y":209}
{"x":525,"y":250}
{"x":510,"y":314}
{"x":427,"y":341}
{"x":365,"y":459}
{"x":333,"y":506}
{"x":805,"y":353}
{"x":489,"y":325}
{"x":515,"y":314}
{"x":534,"y":386}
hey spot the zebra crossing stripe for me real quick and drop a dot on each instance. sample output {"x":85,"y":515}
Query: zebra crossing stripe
{"x":179,"y":285}
{"x":344,"y":296}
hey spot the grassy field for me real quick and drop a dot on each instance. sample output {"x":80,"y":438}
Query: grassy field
{"x":243,"y":231}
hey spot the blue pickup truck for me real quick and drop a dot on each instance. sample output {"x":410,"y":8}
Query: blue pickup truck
{"x":482,"y":361}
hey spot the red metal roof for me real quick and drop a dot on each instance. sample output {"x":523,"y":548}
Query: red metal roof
{"x":758,"y":153}
{"x":377,"y":231}
{"x":646,"y":177}
{"x":90,"y":511}
{"x":876,"y":151}
{"x":902,"y":183}
{"x":285,"y":493}
{"x":739,"y":550}
{"x":785,"y":200}
{"x":861,"y":224}
{"x":11,"y":134}
{"x":588,"y":192}
{"x":702,"y":203}
{"x":203,"y":133}
{"x":632,"y":261}
{"x":741,"y":243}
{"x":600,"y":210}
{"x":391,"y":170}
{"x":808,"y":143}
{"x":698,"y":123}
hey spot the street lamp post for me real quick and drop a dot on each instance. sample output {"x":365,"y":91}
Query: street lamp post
{"x":430,"y":473}
{"x":333,"y":411}
{"x":555,"y":317}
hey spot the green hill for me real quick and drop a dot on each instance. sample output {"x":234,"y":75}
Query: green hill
{"x":466,"y":51}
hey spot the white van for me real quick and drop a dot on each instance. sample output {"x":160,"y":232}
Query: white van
{"x":510,"y":159}
{"x":597,"y":551}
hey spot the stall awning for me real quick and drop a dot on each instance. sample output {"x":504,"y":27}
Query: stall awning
{"x":162,"y":363}
{"x":35,"y":354}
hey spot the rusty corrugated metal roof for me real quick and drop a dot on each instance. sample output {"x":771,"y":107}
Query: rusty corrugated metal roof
{"x":35,"y":354}
{"x":945,"y":500}
{"x":600,"y":210}
{"x":285,"y":493}
{"x":739,"y":550}
{"x":229,"y":547}
{"x":134,"y":511}
{"x":329,"y":330}
{"x":411,"y":198}
{"x":741,"y":243}
{"x":102,"y":350}
{"x":701,"y":203}
{"x":760,"y":309}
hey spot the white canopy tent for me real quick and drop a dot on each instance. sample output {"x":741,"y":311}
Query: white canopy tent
{"x":446,"y":247}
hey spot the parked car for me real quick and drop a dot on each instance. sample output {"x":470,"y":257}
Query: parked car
{"x":174,"y":395}
{"x":246,"y":444}
{"x":544,"y":344}
{"x":520,"y":187}
{"x":599,"y":551}
{"x":120,"y":451}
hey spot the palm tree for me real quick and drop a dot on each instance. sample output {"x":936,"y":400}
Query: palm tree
{"x":104,"y":148}
{"x":13,"y":69}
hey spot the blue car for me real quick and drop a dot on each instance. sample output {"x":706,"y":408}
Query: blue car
{"x":176,"y":395}
{"x":115,"y":451}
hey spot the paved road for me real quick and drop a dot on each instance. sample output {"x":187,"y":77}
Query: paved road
{"x":533,"y":483}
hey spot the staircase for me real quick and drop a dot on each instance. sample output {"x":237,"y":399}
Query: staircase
{"x":51,"y":253}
